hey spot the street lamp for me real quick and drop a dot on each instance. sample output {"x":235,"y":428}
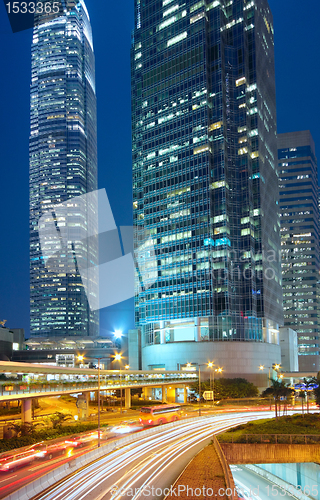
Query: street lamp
{"x":118,"y":357}
{"x":262,"y":367}
{"x":81,"y":358}
{"x":218,"y":370}
{"x":275,"y":367}
{"x":99,"y":403}
{"x":210,"y":365}
{"x":99,"y":359}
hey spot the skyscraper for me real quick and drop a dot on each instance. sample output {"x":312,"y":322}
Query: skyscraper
{"x":63,"y":162}
{"x":205,"y":182}
{"x":299,"y":210}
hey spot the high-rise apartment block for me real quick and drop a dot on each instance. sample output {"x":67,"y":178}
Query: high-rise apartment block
{"x":63,"y":163}
{"x":299,"y":210}
{"x":205,"y":182}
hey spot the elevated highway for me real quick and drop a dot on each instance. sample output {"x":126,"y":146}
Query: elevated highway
{"x":40,"y":380}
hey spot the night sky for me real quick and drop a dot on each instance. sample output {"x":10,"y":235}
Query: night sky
{"x":297,"y":42}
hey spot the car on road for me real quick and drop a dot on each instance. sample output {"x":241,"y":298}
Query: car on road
{"x":11,"y":461}
{"x":78,"y":441}
{"x":50,"y":450}
{"x":126,"y":426}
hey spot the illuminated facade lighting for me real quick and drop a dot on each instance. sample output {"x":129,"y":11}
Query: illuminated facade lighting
{"x":189,"y":163}
{"x":63,"y":163}
{"x":299,"y":216}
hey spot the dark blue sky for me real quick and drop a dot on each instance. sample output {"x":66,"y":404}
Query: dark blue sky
{"x":297,"y":41}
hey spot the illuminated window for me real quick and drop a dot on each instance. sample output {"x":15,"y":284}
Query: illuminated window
{"x":215,"y":126}
{"x":241,"y":81}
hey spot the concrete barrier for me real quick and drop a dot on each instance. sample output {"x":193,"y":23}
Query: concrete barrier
{"x":230,"y":486}
{"x":38,"y":486}
{"x":270,"y":453}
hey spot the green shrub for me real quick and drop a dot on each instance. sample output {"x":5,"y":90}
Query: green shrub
{"x":45,"y":434}
{"x":295,"y":424}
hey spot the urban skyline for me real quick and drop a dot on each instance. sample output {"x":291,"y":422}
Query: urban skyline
{"x":19,"y":283}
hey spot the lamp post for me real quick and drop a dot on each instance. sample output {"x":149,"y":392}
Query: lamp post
{"x":277,"y":367}
{"x":199,"y":391}
{"x":262,"y":367}
{"x":210,"y":365}
{"x":99,"y":372}
{"x":99,"y":403}
{"x":118,"y":357}
{"x":218,"y":370}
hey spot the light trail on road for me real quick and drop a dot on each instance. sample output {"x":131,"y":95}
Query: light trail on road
{"x":151,"y":462}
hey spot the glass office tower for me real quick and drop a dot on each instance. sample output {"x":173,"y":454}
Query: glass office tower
{"x":299,"y":211}
{"x":63,"y":162}
{"x":204,"y":174}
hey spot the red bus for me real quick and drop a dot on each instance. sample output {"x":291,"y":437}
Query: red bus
{"x":157,"y":415}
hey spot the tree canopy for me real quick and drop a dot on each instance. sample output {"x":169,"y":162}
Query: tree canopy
{"x":229,"y":388}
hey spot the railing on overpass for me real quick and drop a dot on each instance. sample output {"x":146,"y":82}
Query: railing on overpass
{"x":34,"y":379}
{"x":277,"y":439}
{"x":109,"y":385}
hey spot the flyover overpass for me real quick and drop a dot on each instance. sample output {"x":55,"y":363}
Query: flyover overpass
{"x":40,"y":380}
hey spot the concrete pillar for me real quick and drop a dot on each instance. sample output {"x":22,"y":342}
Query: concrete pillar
{"x":127,"y":397}
{"x":162,"y":333}
{"x":26,"y":410}
{"x":164,"y":394}
{"x":185,"y":395}
{"x":197,"y":329}
{"x":171,"y":394}
{"x":134,"y":344}
{"x":147,"y":392}
{"x":85,"y":412}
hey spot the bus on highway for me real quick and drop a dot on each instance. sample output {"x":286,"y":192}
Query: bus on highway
{"x":157,"y":415}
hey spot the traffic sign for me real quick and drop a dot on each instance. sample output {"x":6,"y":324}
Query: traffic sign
{"x":208,"y":395}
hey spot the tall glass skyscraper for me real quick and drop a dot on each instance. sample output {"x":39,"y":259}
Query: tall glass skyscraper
{"x":63,"y":162}
{"x":299,"y":210}
{"x":205,"y":178}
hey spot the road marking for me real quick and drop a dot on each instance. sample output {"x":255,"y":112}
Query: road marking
{"x":50,"y":462}
{"x":8,"y":478}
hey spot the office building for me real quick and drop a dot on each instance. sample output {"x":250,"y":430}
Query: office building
{"x":205,"y":183}
{"x":299,"y":210}
{"x":63,"y":165}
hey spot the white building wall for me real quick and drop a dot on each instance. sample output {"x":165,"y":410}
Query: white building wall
{"x":289,"y":349}
{"x":237,"y":359}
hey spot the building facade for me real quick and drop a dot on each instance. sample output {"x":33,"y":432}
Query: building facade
{"x":299,"y":210}
{"x":63,"y":165}
{"x":205,"y":181}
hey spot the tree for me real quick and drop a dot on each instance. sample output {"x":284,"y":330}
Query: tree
{"x":302,"y":396}
{"x":277,"y":389}
{"x":316,"y":391}
{"x":228,"y":388}
{"x":58,"y":418}
{"x":25,"y":429}
{"x":309,"y":383}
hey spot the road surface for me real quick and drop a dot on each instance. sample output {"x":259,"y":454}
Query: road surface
{"x":148,"y":466}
